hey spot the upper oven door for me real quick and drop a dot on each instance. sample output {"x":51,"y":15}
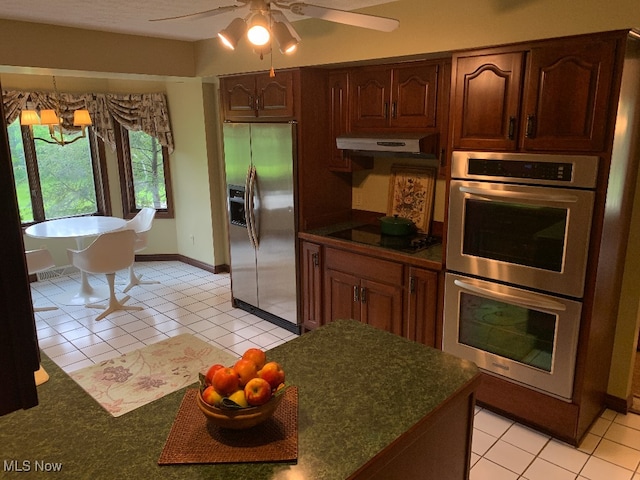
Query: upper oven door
{"x":524,"y":235}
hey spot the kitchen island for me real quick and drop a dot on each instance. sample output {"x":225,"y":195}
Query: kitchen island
{"x":370,"y":405}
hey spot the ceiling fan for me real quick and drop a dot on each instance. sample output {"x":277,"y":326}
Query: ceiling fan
{"x":261,"y":22}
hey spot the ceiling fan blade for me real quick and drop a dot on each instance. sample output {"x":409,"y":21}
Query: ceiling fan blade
{"x":363,"y":20}
{"x":205,"y":14}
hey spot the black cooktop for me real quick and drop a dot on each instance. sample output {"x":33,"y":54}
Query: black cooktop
{"x":371,"y":235}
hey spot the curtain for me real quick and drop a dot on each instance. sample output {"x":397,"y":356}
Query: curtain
{"x":145,"y":112}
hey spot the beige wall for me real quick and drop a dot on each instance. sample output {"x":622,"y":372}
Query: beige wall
{"x":426,"y":27}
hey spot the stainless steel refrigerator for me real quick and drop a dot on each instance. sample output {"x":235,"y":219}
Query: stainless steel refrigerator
{"x":259,"y":160}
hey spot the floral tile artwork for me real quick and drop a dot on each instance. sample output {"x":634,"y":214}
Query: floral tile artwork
{"x":411,"y":191}
{"x":125,"y":383}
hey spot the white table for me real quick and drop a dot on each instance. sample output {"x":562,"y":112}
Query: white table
{"x":79,"y":228}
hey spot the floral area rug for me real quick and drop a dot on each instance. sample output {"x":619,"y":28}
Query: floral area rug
{"x":125,"y":383}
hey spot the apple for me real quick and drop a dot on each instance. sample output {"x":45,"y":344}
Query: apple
{"x":208,"y":378}
{"x":273,"y":373}
{"x":257,"y":355}
{"x":226,"y":381}
{"x":212,"y":397}
{"x":240,"y":398}
{"x":246,"y":370}
{"x":257,"y":391}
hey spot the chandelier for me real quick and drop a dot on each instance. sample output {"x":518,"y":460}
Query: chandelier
{"x":53,"y":119}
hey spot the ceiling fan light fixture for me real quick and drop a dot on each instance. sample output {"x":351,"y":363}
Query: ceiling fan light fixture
{"x":286,"y":41}
{"x":231,"y":35}
{"x":258,"y":32}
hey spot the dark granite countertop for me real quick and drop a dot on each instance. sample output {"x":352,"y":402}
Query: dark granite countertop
{"x":430,"y":257}
{"x":359,"y":389}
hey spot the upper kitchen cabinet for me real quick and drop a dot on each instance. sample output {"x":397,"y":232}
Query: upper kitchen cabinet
{"x":257,"y":97}
{"x":402,"y":96}
{"x":486,"y":100}
{"x":544,"y":96}
{"x":339,"y":123}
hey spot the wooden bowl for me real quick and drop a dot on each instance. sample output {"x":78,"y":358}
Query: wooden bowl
{"x":238,"y":419}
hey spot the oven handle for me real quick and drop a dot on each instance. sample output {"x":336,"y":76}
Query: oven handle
{"x":525,"y":302}
{"x":547,"y":198}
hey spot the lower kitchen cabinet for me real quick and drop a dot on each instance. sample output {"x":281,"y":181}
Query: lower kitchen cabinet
{"x":311,"y":263}
{"x":422,"y":300}
{"x":363,"y":288}
{"x":389,"y":295}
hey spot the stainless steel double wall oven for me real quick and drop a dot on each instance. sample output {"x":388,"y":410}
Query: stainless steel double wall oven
{"x":517,"y":248}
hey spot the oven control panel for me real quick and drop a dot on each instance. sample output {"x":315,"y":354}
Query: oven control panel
{"x":567,"y":171}
{"x":521,"y":169}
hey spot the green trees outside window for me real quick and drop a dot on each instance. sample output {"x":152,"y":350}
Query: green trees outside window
{"x":54,"y":181}
{"x":147,"y":169}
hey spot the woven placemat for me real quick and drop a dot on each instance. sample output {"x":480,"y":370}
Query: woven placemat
{"x":194,"y":440}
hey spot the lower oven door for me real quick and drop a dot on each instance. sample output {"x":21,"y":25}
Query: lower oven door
{"x":525,"y":337}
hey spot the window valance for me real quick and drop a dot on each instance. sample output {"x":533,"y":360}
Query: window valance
{"x":147,"y":112}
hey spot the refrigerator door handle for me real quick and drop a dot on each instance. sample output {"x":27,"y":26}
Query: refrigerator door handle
{"x":251,"y":221}
{"x":248,"y":204}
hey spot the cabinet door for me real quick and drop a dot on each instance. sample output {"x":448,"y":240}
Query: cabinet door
{"x":341,"y":296}
{"x":311,"y":285}
{"x":567,"y":97}
{"x":370,"y":95}
{"x":381,"y":306}
{"x":275,"y":95}
{"x":339,"y":120}
{"x":422,"y":306}
{"x":414,"y":96}
{"x":238,"y":95}
{"x":486,"y":101}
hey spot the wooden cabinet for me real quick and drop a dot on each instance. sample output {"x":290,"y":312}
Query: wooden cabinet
{"x":552,"y":96}
{"x":402,"y":96}
{"x":311,"y":289}
{"x":258,"y":96}
{"x":422,"y":301}
{"x":486,"y":100}
{"x":363,"y":288}
{"x":339,"y":120}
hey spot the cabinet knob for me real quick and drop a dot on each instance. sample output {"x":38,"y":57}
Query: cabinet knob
{"x":363,"y":295}
{"x":356,"y":293}
{"x":394,"y":110}
{"x":315,"y":258}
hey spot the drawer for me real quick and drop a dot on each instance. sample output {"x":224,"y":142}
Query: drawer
{"x":383,"y":271}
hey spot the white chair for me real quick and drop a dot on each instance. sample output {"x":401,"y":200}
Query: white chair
{"x":108,"y":253}
{"x":141,"y":224}
{"x":38,"y":261}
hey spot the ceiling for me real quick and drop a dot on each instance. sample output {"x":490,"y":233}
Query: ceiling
{"x":132,"y":16}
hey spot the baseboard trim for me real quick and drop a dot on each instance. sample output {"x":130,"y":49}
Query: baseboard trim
{"x":168,"y":257}
{"x":620,"y":405}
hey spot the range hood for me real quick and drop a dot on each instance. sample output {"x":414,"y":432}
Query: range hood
{"x":419,"y":145}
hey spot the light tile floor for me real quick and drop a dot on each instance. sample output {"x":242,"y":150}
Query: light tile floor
{"x":191,"y":300}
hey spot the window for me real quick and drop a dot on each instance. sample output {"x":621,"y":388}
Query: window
{"x":144,"y":173}
{"x":54,"y":181}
